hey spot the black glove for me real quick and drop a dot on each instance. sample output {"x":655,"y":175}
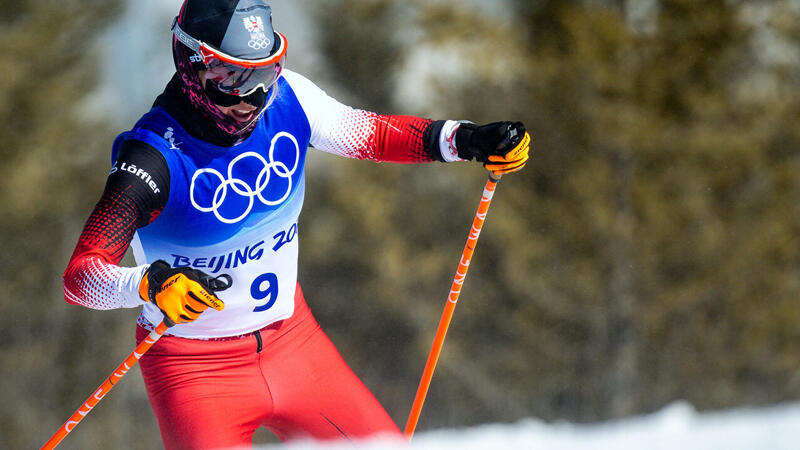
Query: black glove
{"x":502,"y":147}
{"x":182,"y":293}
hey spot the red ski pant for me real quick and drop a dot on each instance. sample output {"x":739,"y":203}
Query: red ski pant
{"x":287,"y":377}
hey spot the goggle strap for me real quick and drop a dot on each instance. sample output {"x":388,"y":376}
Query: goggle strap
{"x":184,"y":38}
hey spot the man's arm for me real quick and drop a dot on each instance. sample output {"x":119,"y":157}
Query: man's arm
{"x":136,"y":191}
{"x":356,"y":133}
{"x":502,"y":147}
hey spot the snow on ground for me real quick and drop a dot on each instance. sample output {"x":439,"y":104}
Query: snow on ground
{"x":678,"y":426}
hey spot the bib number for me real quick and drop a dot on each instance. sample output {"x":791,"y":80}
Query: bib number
{"x":265,"y":286}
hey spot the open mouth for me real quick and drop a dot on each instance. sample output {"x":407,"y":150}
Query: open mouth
{"x":242,"y":115}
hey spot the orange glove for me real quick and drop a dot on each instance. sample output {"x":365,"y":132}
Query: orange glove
{"x":181,"y":293}
{"x":502,"y":147}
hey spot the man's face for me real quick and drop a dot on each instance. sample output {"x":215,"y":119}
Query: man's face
{"x":241,"y":112}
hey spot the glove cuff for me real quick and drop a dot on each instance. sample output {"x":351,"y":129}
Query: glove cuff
{"x":447,"y":145}
{"x":462,"y":140}
{"x":144,"y":288}
{"x":152,"y":279}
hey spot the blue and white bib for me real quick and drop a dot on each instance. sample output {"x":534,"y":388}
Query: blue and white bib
{"x":231,"y":210}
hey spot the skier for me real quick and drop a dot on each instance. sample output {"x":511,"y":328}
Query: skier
{"x":207,"y":188}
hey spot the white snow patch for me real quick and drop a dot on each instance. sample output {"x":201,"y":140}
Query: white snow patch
{"x":676,"y":427}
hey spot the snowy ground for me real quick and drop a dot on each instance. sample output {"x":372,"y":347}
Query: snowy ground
{"x":677,"y":426}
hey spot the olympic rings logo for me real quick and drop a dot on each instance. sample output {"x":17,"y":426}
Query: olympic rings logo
{"x":258,"y":44}
{"x":243,"y":189}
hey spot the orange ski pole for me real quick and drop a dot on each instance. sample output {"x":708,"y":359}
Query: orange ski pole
{"x":98,"y":394}
{"x":450,"y":306}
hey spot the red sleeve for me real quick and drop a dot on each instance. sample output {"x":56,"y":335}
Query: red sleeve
{"x":361,"y":134}
{"x":92,"y":277}
{"x":357,"y":133}
{"x":399,"y":139}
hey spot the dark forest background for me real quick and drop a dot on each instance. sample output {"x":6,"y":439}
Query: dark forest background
{"x":647,"y":254}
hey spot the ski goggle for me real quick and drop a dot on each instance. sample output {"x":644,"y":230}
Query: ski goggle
{"x":258,"y":98}
{"x":233,"y":75}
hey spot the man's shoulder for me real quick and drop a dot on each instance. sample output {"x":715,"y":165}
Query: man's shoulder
{"x":155,"y":130}
{"x":300,"y":84}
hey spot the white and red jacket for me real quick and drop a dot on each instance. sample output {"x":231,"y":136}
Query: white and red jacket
{"x":173,"y":196}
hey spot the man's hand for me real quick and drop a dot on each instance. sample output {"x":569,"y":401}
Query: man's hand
{"x":502,"y":147}
{"x":181,"y":293}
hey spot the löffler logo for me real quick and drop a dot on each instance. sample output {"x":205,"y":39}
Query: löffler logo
{"x":242,"y":188}
{"x":136,"y":171}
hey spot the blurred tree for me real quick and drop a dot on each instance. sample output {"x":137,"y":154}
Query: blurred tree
{"x":646,"y":255}
{"x":54,"y":161}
